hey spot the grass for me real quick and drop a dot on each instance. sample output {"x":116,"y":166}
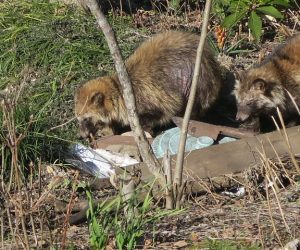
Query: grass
{"x":127,"y":230}
{"x":51,"y":48}
{"x":225,"y":245}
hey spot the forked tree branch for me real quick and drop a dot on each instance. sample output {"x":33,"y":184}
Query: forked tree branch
{"x":191,"y":100}
{"x":129,"y":98}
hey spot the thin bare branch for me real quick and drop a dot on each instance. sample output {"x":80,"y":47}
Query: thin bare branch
{"x":129,"y":98}
{"x":168,"y":176}
{"x":293,"y":101}
{"x":187,"y":115}
{"x":287,"y":141}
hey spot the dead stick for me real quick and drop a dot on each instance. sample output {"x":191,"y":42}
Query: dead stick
{"x":69,"y":209}
{"x":287,"y":141}
{"x":187,"y":114}
{"x":129,"y":98}
{"x":168,"y":176}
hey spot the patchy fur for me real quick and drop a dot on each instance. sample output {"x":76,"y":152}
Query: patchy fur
{"x":263,"y":88}
{"x":161,"y":71}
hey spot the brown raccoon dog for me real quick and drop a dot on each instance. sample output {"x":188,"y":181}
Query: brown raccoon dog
{"x":263,"y":88}
{"x":161,"y":72}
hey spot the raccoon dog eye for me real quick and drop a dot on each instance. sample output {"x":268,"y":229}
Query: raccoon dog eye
{"x":86,"y":120}
{"x":100,"y":124}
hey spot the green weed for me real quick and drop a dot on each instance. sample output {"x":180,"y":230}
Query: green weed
{"x":125,"y":230}
{"x":225,"y":245}
{"x":231,"y":48}
{"x":252,"y":12}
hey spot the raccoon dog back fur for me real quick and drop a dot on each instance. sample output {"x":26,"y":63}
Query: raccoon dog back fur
{"x":161,"y":72}
{"x":263,"y":88}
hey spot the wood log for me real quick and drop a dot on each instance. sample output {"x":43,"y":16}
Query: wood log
{"x":233,"y":157}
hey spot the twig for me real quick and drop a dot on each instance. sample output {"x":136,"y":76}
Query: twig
{"x":3,"y":167}
{"x":206,"y":187}
{"x":287,"y":141}
{"x":281,"y":211}
{"x":21,"y":214}
{"x":63,"y":124}
{"x":273,"y":170}
{"x":293,"y":101}
{"x":11,"y":226}
{"x":187,"y":114}
{"x":168,"y":176}
{"x":270,"y":211}
{"x":260,"y":230}
{"x":39,"y":177}
{"x":266,"y":165}
{"x":2,"y":230}
{"x":21,"y":240}
{"x":127,"y":90}
{"x":240,"y":183}
{"x":69,"y":209}
{"x":269,"y":171}
{"x":128,"y":188}
{"x":70,"y":120}
{"x":280,"y":162}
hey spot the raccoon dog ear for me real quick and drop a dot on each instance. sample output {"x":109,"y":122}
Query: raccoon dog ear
{"x":97,"y":98}
{"x":259,"y":85}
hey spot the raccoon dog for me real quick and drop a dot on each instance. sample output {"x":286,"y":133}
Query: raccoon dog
{"x":161,"y":72}
{"x":263,"y":88}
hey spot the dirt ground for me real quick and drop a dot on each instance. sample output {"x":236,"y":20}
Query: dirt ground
{"x":255,"y":219}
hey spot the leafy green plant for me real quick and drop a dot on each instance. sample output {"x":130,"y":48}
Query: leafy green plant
{"x":230,"y":48}
{"x":235,"y":11}
{"x":174,"y":4}
{"x":99,"y":230}
{"x":125,"y":229}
